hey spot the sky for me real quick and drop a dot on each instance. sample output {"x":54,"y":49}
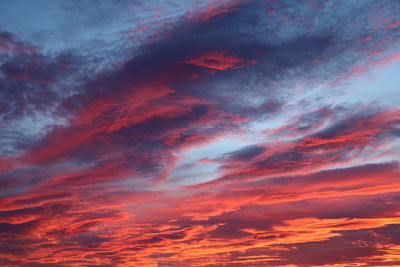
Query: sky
{"x":199,"y":133}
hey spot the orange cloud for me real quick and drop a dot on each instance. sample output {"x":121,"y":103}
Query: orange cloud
{"x":219,"y":60}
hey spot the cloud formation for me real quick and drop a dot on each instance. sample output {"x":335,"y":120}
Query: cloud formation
{"x":209,"y":136}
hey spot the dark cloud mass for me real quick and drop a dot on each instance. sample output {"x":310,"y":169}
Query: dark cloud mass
{"x":223,"y":133}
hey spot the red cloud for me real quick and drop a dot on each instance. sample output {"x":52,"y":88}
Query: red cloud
{"x":219,"y":60}
{"x":100,"y":190}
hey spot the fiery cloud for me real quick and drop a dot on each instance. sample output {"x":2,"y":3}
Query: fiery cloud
{"x":223,"y":133}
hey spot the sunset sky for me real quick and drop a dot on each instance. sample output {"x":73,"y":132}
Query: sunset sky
{"x":199,"y":133}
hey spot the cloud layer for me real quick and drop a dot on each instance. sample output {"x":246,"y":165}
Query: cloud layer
{"x":206,"y":135}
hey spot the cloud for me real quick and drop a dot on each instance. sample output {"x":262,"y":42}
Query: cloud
{"x":330,"y":146}
{"x":9,"y":44}
{"x":90,"y":142}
